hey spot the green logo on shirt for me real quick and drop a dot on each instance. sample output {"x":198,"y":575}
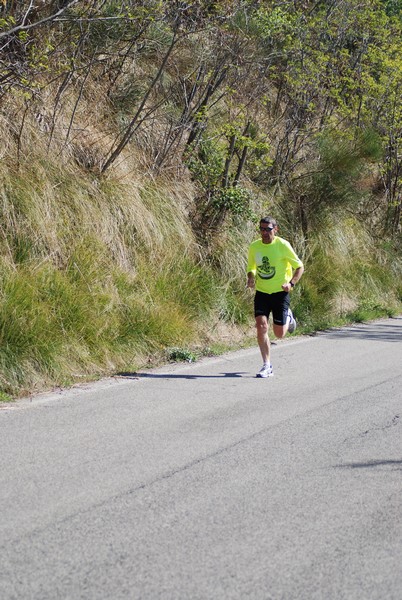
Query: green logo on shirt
{"x":265,"y":271}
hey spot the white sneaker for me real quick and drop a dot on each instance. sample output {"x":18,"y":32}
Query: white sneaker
{"x":265,"y":371}
{"x":292,"y":322}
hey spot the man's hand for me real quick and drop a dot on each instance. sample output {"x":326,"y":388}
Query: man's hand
{"x":295,"y":278}
{"x":250,"y":282}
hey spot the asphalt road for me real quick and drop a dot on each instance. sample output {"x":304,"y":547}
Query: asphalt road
{"x":199,"y":481}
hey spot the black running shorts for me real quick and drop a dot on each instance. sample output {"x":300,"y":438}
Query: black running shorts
{"x":277,"y":303}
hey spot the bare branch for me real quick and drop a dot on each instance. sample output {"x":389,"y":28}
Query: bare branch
{"x":23,"y":27}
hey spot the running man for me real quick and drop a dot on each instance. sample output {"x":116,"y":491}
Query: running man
{"x":273,"y":269}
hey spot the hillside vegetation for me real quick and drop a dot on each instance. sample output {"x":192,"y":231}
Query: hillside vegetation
{"x":142,"y":141}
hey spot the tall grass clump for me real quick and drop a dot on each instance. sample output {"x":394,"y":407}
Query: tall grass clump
{"x":98,"y":274}
{"x":348,"y":278}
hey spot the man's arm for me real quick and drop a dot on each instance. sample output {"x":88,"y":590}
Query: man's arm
{"x":250,"y":280}
{"x":251,"y":268}
{"x":295,"y":278}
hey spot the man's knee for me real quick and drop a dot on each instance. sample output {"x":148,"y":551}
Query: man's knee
{"x":261,"y":325}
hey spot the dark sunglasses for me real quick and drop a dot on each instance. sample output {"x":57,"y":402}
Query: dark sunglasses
{"x":267,"y":228}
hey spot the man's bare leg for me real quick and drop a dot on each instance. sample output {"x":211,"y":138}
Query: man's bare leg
{"x":261,"y":324}
{"x":280,"y":330}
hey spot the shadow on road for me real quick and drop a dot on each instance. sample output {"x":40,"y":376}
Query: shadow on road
{"x":370,"y":464}
{"x":176,"y":376}
{"x":386,"y":332}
